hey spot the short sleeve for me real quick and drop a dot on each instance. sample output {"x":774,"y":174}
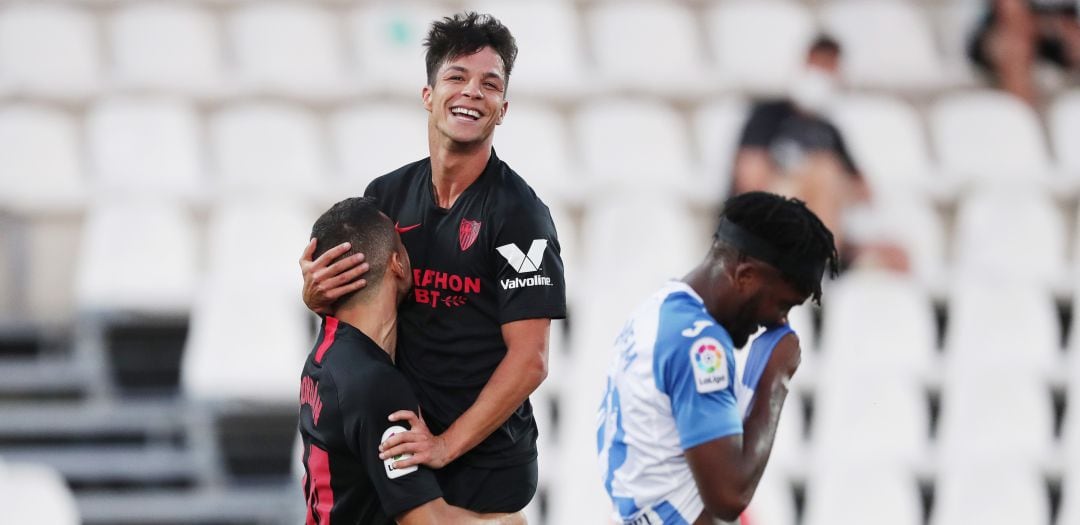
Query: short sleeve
{"x":842,"y":152}
{"x":698,"y":375}
{"x":366,"y":403}
{"x":761,"y":127}
{"x":529,"y":267}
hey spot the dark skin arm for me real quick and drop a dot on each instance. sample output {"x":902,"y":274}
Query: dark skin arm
{"x":727,"y":470}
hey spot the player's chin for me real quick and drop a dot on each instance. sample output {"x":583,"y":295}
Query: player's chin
{"x":739,"y":339}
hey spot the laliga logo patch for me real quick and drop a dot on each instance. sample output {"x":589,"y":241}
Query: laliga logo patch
{"x":388,"y":463}
{"x":709,"y":364}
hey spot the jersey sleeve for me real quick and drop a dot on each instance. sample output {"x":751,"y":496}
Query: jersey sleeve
{"x":529,"y":267}
{"x":698,"y":375}
{"x":761,"y":127}
{"x":365,"y":406}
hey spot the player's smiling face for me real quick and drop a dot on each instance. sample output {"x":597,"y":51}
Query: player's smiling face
{"x":469,"y":97}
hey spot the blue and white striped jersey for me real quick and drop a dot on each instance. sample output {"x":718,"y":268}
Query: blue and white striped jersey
{"x":672,"y":385}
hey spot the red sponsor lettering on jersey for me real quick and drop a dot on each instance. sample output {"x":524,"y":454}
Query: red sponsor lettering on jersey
{"x":435,"y":288}
{"x":309,"y":395}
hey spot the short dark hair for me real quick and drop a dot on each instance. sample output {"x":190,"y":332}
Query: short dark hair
{"x":359,"y":222}
{"x":465,"y":34}
{"x":791,"y":229}
{"x":824,"y":43}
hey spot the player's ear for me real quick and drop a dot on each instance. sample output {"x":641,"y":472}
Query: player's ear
{"x":502,"y":112}
{"x":747,"y":275}
{"x":425,"y":95}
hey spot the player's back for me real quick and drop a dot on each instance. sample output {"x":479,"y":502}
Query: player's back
{"x":670,"y":388}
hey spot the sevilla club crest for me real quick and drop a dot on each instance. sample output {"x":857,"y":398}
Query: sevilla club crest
{"x":467,"y":233}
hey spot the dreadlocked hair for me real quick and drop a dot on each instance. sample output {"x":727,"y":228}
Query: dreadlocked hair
{"x":789,"y":226}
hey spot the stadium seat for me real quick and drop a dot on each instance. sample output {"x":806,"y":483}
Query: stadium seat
{"x":387,"y":36}
{"x":246,"y":344}
{"x":1011,"y":233}
{"x":33,"y":493}
{"x":971,"y":424}
{"x":607,"y":129}
{"x":773,"y":502}
{"x":40,"y":159}
{"x":875,"y":415}
{"x":777,"y":32}
{"x":953,"y":23}
{"x":550,"y":64}
{"x":912,"y":223}
{"x":144,"y":32}
{"x":273,"y":232}
{"x":886,"y":44}
{"x":533,"y":140}
{"x":1003,"y":325}
{"x":373,"y":140}
{"x":857,"y":493}
{"x":986,"y":136}
{"x":719,"y":126}
{"x":1064,"y":123}
{"x":887,"y":141}
{"x":1070,"y":495}
{"x":268,"y":148}
{"x":855,"y":334}
{"x":674,"y":65}
{"x":48,"y":50}
{"x":991,"y":493}
{"x":289,"y":48}
{"x":137,"y":256}
{"x":146,"y":146}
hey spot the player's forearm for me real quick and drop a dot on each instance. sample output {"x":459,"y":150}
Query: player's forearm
{"x":517,"y":376}
{"x":759,"y":428}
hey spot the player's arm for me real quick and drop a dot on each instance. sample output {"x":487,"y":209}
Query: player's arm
{"x":521,"y":371}
{"x":727,"y":470}
{"x":440,"y":512}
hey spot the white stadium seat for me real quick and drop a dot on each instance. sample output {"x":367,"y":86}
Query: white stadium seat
{"x":1010,"y":233}
{"x":268,"y":148}
{"x":246,"y":344}
{"x":550,"y":60}
{"x":862,"y":493}
{"x":611,"y":133}
{"x":672,"y":65}
{"x":988,"y":136}
{"x":291,"y":48}
{"x":138,"y":256}
{"x":373,"y":140}
{"x":875,"y":416}
{"x":533,"y":141}
{"x":888,"y":142}
{"x":855,"y":334}
{"x":388,"y":38}
{"x":760,"y":44}
{"x":885,"y":43}
{"x":1003,"y":325}
{"x":1064,"y":123}
{"x":1070,"y":494}
{"x":773,"y":502}
{"x":48,"y":49}
{"x":719,"y":125}
{"x":914,"y":225}
{"x":32,"y":493}
{"x":40,"y":159}
{"x":973,"y":425}
{"x":143,"y":33}
{"x":140,"y":146}
{"x":991,"y":493}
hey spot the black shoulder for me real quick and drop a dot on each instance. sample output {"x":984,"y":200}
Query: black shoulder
{"x":391,"y":182}
{"x":514,"y":195}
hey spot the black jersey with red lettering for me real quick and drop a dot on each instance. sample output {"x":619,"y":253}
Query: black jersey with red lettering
{"x":348,"y":389}
{"x":491,"y":258}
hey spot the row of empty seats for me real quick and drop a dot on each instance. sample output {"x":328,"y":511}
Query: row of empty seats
{"x":166,"y":146}
{"x":309,"y":50}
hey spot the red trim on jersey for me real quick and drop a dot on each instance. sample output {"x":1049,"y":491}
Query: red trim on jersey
{"x":320,"y":494}
{"x":328,"y":338}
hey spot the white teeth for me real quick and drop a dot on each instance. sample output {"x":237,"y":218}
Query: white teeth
{"x":465,"y":111}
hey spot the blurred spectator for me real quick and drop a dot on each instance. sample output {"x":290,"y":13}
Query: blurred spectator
{"x":789,"y":147}
{"x":1013,"y":33}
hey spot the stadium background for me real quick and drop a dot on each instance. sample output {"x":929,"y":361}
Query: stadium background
{"x":162,"y":161}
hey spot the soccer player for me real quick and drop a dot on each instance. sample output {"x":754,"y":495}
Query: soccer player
{"x":487,"y":276}
{"x":350,"y":387}
{"x":673,"y":446}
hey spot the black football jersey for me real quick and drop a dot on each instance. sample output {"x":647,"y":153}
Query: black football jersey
{"x":348,"y":389}
{"x":490,"y":259}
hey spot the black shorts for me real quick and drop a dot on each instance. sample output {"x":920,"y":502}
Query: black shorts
{"x":506,"y":489}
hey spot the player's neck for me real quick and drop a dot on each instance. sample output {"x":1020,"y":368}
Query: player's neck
{"x":376,"y":318}
{"x":700,"y":280}
{"x":454,"y":167}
